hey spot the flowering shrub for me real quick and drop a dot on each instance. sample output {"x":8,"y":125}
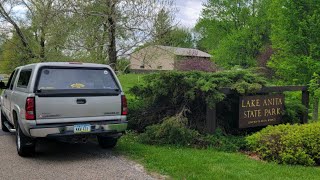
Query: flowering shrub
{"x":288,"y":144}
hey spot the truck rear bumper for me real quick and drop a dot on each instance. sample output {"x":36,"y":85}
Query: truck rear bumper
{"x":66,"y":130}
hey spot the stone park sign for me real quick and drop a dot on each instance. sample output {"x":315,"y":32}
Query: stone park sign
{"x":261,"y":110}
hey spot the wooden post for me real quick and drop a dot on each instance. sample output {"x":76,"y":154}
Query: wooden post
{"x":305,"y":102}
{"x":211,"y":120}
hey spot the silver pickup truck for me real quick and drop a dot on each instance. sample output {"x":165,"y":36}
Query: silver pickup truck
{"x":63,"y":100}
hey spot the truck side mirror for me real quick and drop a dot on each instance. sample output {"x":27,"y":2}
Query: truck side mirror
{"x":2,"y":85}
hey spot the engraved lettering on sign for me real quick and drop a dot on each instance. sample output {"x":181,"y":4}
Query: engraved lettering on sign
{"x":260,"y":110}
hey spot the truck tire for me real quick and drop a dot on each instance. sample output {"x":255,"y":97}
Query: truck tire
{"x":25,"y":145}
{"x":3,"y":119}
{"x":107,"y":142}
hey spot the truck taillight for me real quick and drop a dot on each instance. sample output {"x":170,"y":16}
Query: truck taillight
{"x":124,"y":108}
{"x":30,"y":109}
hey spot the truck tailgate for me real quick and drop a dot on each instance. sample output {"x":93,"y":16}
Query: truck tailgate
{"x":77,"y":107}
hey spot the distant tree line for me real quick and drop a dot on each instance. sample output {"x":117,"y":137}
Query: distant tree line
{"x":84,"y":30}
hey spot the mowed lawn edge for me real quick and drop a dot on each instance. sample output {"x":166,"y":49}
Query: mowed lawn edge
{"x":189,"y":163}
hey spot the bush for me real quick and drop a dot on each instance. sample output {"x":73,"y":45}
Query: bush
{"x":288,"y":144}
{"x":294,"y":109}
{"x":166,"y":94}
{"x":123,"y":66}
{"x":174,"y":131}
{"x":222,"y":142}
{"x":293,"y":112}
{"x":136,"y":112}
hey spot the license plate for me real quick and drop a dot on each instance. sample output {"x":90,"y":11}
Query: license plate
{"x":82,"y":128}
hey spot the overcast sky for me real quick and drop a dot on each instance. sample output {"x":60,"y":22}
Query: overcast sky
{"x":189,"y":11}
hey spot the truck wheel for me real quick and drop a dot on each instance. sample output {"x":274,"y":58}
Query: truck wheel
{"x":107,"y":142}
{"x":3,"y":119}
{"x":25,"y":144}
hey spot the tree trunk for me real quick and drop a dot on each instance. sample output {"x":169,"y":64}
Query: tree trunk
{"x":315,"y":114}
{"x":42,"y":45}
{"x":112,"y":51}
{"x":102,"y":53}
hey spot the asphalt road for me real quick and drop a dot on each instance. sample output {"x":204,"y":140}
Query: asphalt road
{"x":59,"y":160}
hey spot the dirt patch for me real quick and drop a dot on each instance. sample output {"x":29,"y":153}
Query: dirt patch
{"x":252,"y":155}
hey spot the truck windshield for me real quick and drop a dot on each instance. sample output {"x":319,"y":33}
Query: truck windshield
{"x":57,"y":79}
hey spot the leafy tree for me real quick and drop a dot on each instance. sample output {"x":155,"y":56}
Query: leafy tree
{"x":125,"y":24}
{"x":47,"y":27}
{"x":296,"y":40}
{"x":181,"y":37}
{"x":314,"y":88}
{"x":209,"y":33}
{"x":168,"y":33}
{"x":177,"y":37}
{"x":163,"y":25}
{"x":234,"y":31}
{"x":5,"y":15}
{"x":13,"y":53}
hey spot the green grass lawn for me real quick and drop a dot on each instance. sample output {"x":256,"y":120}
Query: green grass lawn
{"x":129,"y":80}
{"x":187,"y":163}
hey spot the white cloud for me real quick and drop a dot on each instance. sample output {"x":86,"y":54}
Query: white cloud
{"x":189,"y":12}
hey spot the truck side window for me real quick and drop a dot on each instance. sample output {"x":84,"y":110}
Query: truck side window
{"x":24,"y":78}
{"x":13,"y":79}
{"x":10,"y":79}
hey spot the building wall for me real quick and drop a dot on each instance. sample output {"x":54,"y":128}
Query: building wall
{"x":188,"y":63}
{"x":152,"y":58}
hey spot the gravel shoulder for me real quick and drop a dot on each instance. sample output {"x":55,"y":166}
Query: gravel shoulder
{"x":59,"y":160}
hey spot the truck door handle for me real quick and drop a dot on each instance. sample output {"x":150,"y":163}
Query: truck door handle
{"x":81,"y":101}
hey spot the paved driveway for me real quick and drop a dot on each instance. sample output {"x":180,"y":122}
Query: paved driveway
{"x":58,"y":160}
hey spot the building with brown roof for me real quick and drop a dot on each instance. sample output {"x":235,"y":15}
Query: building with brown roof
{"x":170,"y":58}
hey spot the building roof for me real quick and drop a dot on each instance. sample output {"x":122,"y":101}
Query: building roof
{"x":185,"y":51}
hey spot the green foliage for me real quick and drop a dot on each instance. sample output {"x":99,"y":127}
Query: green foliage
{"x":288,"y":144}
{"x":168,"y":34}
{"x":234,"y":31}
{"x":295,"y":36}
{"x":294,"y":109}
{"x":239,"y":48}
{"x":314,"y":85}
{"x":13,"y":54}
{"x":293,"y":112}
{"x":175,"y":37}
{"x":222,"y":142}
{"x":209,"y":34}
{"x":167,"y":94}
{"x":292,"y":69}
{"x":172,"y":130}
{"x":123,"y":66}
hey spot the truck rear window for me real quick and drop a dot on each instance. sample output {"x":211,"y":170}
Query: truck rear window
{"x":62,"y":78}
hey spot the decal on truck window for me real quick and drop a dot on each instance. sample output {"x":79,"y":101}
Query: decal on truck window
{"x":77,"y":85}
